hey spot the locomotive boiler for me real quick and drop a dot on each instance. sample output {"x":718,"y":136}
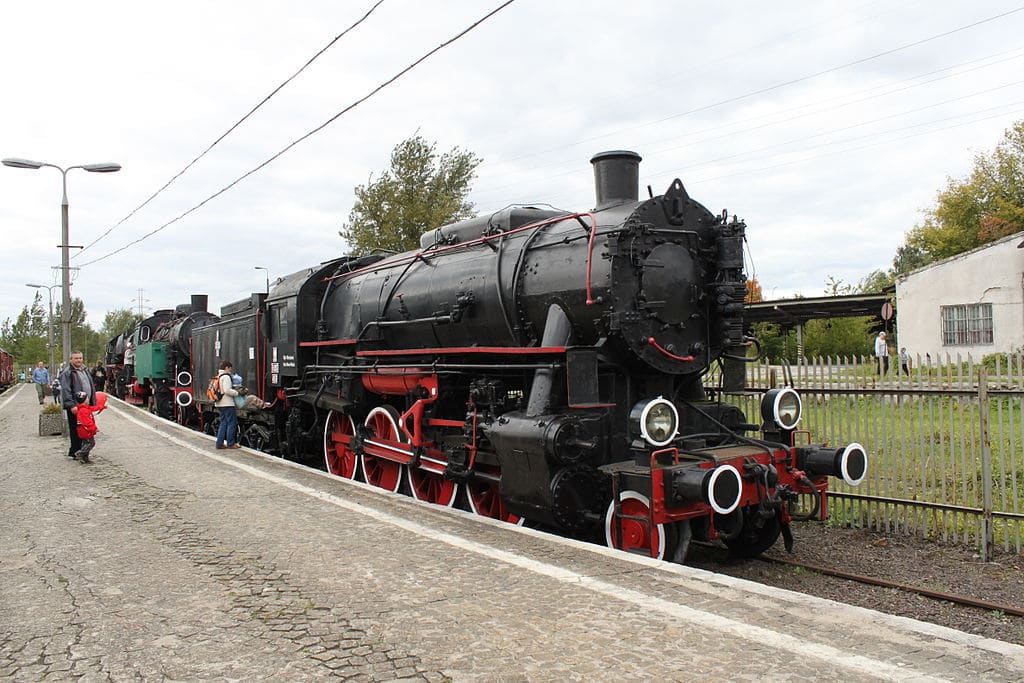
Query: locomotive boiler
{"x":547,"y":365}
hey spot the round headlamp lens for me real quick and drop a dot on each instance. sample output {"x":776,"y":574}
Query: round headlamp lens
{"x":787,"y":409}
{"x":781,"y":408}
{"x":659,"y":422}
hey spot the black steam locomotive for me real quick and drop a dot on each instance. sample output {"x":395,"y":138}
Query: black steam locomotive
{"x":540,"y":365}
{"x":151,"y":363}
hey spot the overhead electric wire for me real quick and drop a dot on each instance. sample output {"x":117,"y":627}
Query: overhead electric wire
{"x":323,"y":125}
{"x":805,"y":138}
{"x":880,"y":142}
{"x":571,"y":164}
{"x":568,"y":199}
{"x":777,"y":86}
{"x":635,"y":91}
{"x":233,"y":127}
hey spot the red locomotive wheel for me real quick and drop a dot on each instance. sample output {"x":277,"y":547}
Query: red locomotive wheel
{"x":381,"y":472}
{"x":339,"y":458}
{"x":485,"y":500}
{"x":637,"y":535}
{"x":431,"y":487}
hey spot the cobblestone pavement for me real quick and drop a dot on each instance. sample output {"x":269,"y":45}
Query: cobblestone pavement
{"x":166,"y":560}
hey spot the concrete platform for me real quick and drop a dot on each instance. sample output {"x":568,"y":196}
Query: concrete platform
{"x":168,"y":560}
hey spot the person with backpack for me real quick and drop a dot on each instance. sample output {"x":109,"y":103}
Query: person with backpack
{"x":227,"y":433}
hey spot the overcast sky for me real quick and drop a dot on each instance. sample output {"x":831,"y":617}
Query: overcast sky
{"x":827,"y":126}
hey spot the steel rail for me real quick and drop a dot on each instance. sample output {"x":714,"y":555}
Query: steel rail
{"x":926,"y":592}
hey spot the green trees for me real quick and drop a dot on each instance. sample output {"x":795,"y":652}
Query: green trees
{"x":421,"y":191}
{"x":986,"y":205}
{"x":25,"y":337}
{"x":117,"y":321}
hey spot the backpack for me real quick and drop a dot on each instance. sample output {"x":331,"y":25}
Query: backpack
{"x":213,"y":391}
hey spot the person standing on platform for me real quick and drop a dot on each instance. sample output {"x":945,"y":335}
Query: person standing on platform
{"x":227,"y":432}
{"x":74,"y":379}
{"x":882,"y":354}
{"x":99,"y":376}
{"x":41,"y":377}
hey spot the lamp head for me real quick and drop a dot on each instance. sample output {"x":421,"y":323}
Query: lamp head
{"x":106,"y":167}
{"x":15,"y":162}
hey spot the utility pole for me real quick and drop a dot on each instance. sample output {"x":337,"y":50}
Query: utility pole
{"x":141,"y":302}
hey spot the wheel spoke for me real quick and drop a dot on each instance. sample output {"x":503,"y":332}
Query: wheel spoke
{"x":382,"y":423}
{"x":432,"y":487}
{"x":339,"y":457}
{"x":485,"y":500}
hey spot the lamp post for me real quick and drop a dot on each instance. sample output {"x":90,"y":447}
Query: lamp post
{"x":107,"y":167}
{"x":267,"y":271}
{"x":49,"y":321}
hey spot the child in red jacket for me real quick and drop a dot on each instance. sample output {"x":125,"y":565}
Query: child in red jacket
{"x":87,"y":423}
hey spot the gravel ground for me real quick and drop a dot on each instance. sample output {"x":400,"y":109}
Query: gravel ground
{"x":940,"y":567}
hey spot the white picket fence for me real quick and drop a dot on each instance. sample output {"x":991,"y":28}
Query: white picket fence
{"x":945,"y":441}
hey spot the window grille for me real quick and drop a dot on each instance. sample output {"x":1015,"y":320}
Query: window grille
{"x":966,"y":325}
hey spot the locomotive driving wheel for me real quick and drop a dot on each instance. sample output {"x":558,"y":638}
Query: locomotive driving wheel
{"x":339,"y":457}
{"x":637,"y":535}
{"x":432,"y":487}
{"x":485,"y":500}
{"x":382,"y":423}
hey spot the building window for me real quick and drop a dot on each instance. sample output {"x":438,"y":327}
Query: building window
{"x":967,"y":325}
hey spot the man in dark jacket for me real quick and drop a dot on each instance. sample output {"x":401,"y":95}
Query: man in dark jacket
{"x":73,"y":379}
{"x":99,"y":376}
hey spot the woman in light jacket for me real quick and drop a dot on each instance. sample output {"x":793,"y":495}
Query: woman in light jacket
{"x":227,"y":433}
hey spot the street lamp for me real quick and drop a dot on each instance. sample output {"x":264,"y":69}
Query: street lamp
{"x":49,"y":321}
{"x":267,"y":270}
{"x":108,"y":167}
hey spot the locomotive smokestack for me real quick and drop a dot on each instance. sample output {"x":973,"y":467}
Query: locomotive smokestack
{"x":199,"y":303}
{"x":616,"y":177}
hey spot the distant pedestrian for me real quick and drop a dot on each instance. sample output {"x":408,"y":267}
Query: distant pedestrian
{"x":55,"y":389}
{"x":99,"y":376}
{"x":882,"y":353}
{"x":905,"y":361}
{"x":21,"y":376}
{"x":75,"y":379}
{"x":41,"y":377}
{"x":227,"y":432}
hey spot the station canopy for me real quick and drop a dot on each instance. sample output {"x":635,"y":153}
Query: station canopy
{"x":793,"y":312}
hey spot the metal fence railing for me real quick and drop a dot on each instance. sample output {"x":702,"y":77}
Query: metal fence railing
{"x":945,"y":441}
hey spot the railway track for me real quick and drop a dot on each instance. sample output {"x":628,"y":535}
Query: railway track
{"x":908,"y":588}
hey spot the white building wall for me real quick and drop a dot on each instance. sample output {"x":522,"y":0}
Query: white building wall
{"x":991,"y":274}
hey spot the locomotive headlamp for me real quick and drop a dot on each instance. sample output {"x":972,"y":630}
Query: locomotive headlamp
{"x":656,"y":421}
{"x":781,"y":407}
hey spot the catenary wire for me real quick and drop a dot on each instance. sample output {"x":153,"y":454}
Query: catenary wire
{"x":323,"y":125}
{"x":567,"y":199}
{"x":787,"y":115}
{"x":776,"y":86}
{"x":233,"y":127}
